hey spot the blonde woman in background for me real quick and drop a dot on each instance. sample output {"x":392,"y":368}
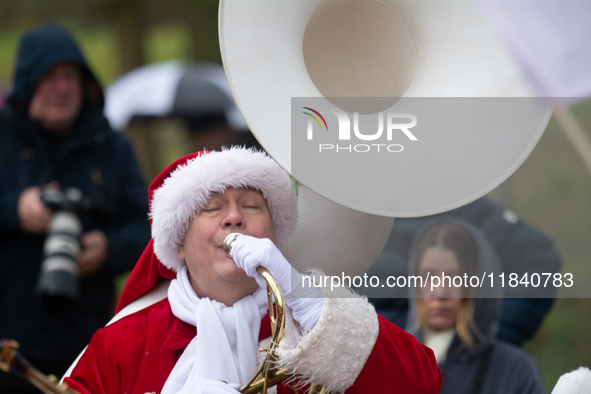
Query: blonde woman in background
{"x":457,"y":322}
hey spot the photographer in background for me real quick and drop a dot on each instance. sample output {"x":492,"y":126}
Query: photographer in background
{"x":54,"y":139}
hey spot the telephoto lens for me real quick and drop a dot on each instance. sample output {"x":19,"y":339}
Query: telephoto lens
{"x":59,"y":269}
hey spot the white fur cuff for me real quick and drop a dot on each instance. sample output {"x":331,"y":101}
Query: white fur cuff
{"x":578,"y":381}
{"x":335,"y":351}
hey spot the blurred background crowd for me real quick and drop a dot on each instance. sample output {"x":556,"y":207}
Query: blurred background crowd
{"x":165,"y":52}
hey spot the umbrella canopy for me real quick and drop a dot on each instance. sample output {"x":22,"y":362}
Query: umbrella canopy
{"x":189,"y":90}
{"x":550,"y":39}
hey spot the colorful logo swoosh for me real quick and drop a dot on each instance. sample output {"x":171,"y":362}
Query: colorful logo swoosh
{"x":315,"y":118}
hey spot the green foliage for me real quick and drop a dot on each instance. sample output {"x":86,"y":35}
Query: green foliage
{"x":167,"y":43}
{"x":99,"y":46}
{"x":8,"y":46}
{"x":552,"y":190}
{"x":563,"y":342}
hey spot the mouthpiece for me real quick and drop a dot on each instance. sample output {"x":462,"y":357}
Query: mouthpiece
{"x":228,"y":241}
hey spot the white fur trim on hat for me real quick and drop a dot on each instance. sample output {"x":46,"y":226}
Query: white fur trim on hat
{"x":189,"y":187}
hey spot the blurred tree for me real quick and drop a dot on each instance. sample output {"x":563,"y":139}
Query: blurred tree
{"x":201,"y":19}
{"x":127,"y":18}
{"x":129,"y":21}
{"x":28,"y":13}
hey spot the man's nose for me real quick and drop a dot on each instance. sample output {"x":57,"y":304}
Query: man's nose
{"x":62,"y":84}
{"x":233,"y":218}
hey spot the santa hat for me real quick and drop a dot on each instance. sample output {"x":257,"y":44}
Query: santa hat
{"x":183,"y":189}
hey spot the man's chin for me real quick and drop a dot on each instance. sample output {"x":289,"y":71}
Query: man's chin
{"x":238,"y":277}
{"x":230,"y":272}
{"x":59,"y":125}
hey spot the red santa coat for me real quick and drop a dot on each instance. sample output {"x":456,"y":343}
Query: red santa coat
{"x":136,"y":354}
{"x":350,"y":349}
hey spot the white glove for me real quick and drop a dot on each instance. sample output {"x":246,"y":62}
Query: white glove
{"x":208,"y":386}
{"x":250,"y":252}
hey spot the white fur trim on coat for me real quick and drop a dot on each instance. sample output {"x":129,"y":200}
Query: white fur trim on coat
{"x":343,"y":339}
{"x":189,"y":187}
{"x":575,"y":382}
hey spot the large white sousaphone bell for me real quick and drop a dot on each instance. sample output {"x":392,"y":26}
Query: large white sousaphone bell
{"x":438,"y":60}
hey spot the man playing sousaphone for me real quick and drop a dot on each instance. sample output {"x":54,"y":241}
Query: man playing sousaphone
{"x":205,"y":336}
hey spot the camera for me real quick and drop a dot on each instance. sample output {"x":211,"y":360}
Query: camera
{"x":59,"y":269}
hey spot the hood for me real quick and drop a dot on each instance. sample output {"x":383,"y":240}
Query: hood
{"x":488,"y":299}
{"x":40,"y":49}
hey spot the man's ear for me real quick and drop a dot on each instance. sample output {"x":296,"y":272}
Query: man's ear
{"x":181,"y":253}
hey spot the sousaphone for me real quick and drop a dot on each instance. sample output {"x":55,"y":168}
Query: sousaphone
{"x":304,"y":72}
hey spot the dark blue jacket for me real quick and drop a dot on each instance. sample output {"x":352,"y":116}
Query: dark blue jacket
{"x":521,"y":248}
{"x":489,"y":366}
{"x":92,"y":158}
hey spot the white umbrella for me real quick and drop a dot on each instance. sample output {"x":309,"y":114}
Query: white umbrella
{"x":172,"y":89}
{"x":550,"y":38}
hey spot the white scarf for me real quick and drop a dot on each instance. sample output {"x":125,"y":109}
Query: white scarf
{"x":439,"y":342}
{"x":226,"y":344}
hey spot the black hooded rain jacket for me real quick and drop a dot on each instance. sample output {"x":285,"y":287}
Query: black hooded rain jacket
{"x":95,"y":160}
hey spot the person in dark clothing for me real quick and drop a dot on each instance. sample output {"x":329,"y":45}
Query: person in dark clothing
{"x":521,"y":248}
{"x":460,"y":323}
{"x":53,"y":136}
